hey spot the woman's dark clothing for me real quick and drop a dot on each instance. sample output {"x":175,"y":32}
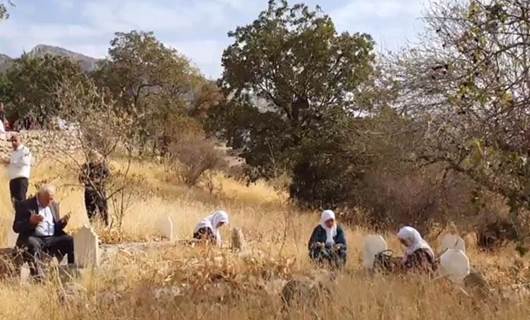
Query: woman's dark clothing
{"x":96,"y":201}
{"x":94,"y":176}
{"x":333,"y":255}
{"x":421,"y":261}
{"x":205,"y":234}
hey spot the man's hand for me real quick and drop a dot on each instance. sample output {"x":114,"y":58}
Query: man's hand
{"x":66,"y":218}
{"x":35,"y":219}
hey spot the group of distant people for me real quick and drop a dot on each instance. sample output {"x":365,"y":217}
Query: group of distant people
{"x":40,"y":226}
{"x":327,"y":244}
{"x":38,"y":220}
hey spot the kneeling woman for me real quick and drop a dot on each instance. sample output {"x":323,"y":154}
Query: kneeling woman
{"x":419,"y":256}
{"x":327,"y":244}
{"x":208,"y":228}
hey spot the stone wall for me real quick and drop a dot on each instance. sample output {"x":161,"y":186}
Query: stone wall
{"x":43,"y":142}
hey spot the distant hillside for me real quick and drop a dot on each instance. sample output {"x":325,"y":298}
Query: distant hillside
{"x":5,"y":62}
{"x":87,"y":63}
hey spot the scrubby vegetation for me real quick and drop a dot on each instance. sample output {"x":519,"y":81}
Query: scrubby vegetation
{"x":434,"y":136}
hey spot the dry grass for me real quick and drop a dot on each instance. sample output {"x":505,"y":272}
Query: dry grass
{"x":200,"y":283}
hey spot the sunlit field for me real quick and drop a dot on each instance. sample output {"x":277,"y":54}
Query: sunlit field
{"x":182,"y":282}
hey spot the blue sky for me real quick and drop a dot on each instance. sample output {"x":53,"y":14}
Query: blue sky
{"x":197,"y":28}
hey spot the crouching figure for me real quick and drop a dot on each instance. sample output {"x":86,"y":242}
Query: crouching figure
{"x":208,"y":229}
{"x":327,"y":245}
{"x":419,"y":256}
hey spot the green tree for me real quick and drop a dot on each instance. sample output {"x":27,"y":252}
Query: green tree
{"x":292,"y":87}
{"x":282,"y":75}
{"x":31,"y":84}
{"x":153,"y":84}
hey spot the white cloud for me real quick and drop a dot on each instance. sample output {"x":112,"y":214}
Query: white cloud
{"x":196,"y":28}
{"x":390,"y":22}
{"x":206,"y":54}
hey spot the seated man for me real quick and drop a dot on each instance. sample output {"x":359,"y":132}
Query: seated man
{"x":40,"y":229}
{"x":328,"y":243}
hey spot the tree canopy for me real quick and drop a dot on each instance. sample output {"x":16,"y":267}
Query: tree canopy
{"x":283,"y":73}
{"x":153,"y":83}
{"x":30,"y":86}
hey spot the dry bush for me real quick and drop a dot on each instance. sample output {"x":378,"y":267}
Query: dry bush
{"x":423,"y":198}
{"x":193,"y":156}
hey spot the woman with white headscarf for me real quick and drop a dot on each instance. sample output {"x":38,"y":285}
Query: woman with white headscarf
{"x":208,"y":228}
{"x":327,"y":244}
{"x":419,"y":256}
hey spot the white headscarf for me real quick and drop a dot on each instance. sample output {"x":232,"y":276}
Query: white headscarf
{"x":330,"y":232}
{"x":212,"y":221}
{"x":415,"y":241}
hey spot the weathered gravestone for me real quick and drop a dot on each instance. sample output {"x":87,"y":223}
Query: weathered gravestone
{"x":373,"y":245}
{"x":86,"y":248}
{"x":8,"y":235}
{"x":238,"y":240}
{"x":452,"y":241}
{"x":166,"y":229}
{"x":454,"y":264}
{"x":11,"y":238}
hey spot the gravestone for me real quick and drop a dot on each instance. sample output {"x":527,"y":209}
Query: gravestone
{"x":373,"y":245}
{"x":11,"y":238}
{"x":8,"y":236}
{"x":238,"y":240}
{"x":86,"y":248}
{"x":166,"y":229}
{"x":454,"y":264}
{"x":452,"y":241}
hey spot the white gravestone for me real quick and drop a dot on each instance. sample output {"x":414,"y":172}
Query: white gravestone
{"x":454,"y":264}
{"x":452,"y":241}
{"x":11,"y":238}
{"x":86,"y":248}
{"x":165,"y":227}
{"x":238,"y":240}
{"x":373,"y":245}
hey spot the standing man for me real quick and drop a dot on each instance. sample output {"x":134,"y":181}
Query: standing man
{"x":94,"y":175}
{"x":41,"y":229}
{"x":19,"y":169}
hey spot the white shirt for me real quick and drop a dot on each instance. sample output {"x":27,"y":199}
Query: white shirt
{"x":46,"y":227}
{"x":20,"y":163}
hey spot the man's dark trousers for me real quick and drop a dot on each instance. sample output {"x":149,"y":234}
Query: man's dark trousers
{"x":18,"y":188}
{"x":55,"y":246}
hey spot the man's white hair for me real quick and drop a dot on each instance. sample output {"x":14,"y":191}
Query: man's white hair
{"x":48,"y":189}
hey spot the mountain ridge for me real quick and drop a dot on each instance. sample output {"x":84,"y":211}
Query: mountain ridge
{"x":86,"y":63}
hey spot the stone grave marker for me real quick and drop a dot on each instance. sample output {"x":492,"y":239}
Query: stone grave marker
{"x":454,"y":264}
{"x":373,"y":245}
{"x":238,"y":240}
{"x":86,"y":248}
{"x":452,"y":241}
{"x":166,"y":229}
{"x":11,"y":238}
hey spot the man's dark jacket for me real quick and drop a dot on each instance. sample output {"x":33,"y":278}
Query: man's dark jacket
{"x":24,"y":210}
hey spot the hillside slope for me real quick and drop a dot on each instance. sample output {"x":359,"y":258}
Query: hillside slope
{"x":184,"y":282}
{"x":87,"y":63}
{"x":5,"y":62}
